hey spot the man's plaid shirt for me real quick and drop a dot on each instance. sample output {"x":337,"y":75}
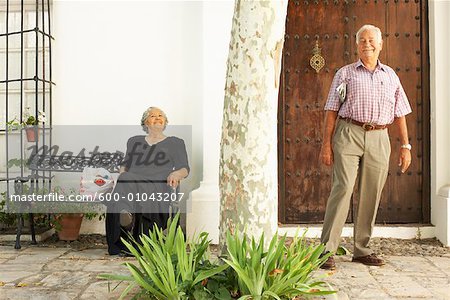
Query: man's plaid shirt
{"x":375,"y":97}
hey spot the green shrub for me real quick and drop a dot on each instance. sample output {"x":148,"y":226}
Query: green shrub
{"x":6,"y":218}
{"x":171,"y":268}
{"x":166,"y":269}
{"x":281,"y":272}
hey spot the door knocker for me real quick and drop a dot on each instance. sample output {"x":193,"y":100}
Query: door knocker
{"x":317,"y":62}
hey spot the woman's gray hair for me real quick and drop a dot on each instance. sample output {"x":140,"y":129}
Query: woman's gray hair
{"x":371,"y":28}
{"x":146,"y":114}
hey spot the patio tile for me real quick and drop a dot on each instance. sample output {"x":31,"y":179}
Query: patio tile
{"x":20,"y":267}
{"x":404,"y":286}
{"x":106,"y":290}
{"x":370,"y":293}
{"x":11,"y":276}
{"x":106,"y":266}
{"x":417,"y":266}
{"x":87,"y":254}
{"x":442,"y":263}
{"x":33,"y":280}
{"x":51,"y":252}
{"x":65,"y":265}
{"x":25,"y":293}
{"x":35,"y":256}
{"x":439,"y":286}
{"x":357,"y":289}
{"x":7,"y":255}
{"x":10,"y":249}
{"x":67,"y":279}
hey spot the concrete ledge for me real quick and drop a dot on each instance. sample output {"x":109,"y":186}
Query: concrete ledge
{"x":393,"y":231}
{"x":445,"y":191}
{"x":93,"y":226}
{"x":26,"y":237}
{"x":203,"y":211}
{"x":441,"y":213}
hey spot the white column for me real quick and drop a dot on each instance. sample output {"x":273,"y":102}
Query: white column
{"x":203,"y":214}
{"x":439,"y":12}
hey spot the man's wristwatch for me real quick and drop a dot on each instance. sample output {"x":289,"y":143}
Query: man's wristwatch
{"x":406,"y":146}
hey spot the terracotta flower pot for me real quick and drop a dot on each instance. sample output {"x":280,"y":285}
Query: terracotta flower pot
{"x":70,"y":226}
{"x":32,"y":133}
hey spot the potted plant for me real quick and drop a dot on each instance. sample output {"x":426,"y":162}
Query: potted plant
{"x":69,"y":216}
{"x":31,"y":124}
{"x":67,"y":225}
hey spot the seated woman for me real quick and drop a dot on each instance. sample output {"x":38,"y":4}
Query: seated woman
{"x":152,"y":169}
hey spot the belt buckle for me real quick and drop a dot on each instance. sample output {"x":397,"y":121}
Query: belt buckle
{"x":368,"y":126}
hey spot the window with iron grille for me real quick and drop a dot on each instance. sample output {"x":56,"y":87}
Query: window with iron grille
{"x":25,"y":77}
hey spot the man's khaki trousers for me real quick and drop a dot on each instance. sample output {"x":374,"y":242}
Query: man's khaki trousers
{"x":356,"y":151}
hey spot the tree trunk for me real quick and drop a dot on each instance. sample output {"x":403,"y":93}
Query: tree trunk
{"x":248,"y":160}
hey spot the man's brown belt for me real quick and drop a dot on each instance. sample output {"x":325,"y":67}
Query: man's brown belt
{"x":365,"y":126}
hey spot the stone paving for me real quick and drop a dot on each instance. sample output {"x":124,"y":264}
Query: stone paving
{"x":65,"y":273}
{"x":58,"y":273}
{"x":403,"y":277}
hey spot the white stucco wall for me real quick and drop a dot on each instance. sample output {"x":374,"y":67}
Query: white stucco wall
{"x":113,"y":59}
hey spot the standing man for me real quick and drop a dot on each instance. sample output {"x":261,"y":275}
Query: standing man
{"x":365,"y":97}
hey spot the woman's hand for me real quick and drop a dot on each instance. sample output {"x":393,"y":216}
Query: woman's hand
{"x":174,"y":179}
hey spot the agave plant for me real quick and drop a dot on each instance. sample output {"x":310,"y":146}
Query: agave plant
{"x":169,"y":267}
{"x":280,"y":272}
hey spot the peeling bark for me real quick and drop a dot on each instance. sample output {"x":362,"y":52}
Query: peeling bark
{"x":248,"y":161}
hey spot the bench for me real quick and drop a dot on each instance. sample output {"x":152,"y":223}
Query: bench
{"x":40,"y":163}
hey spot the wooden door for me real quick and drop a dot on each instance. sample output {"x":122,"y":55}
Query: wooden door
{"x":304,"y":182}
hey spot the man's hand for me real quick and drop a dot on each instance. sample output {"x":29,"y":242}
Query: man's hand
{"x":326,"y":155}
{"x":404,"y":159}
{"x":326,"y":152}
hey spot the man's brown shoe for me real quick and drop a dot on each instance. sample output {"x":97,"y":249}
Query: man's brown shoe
{"x":369,"y":260}
{"x":329,"y":264}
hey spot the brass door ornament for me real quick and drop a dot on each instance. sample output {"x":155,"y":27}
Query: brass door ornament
{"x":317,"y":62}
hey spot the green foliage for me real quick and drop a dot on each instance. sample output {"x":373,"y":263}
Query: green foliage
{"x":15,"y":162}
{"x":281,"y":272}
{"x":6,"y":218}
{"x":28,"y":120}
{"x":341,"y":250}
{"x":90,"y":211}
{"x":170,"y":267}
{"x":14,"y":124}
{"x":10,"y":219}
{"x":55,"y":209}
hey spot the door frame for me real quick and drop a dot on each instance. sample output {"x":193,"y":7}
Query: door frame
{"x":425,"y":125}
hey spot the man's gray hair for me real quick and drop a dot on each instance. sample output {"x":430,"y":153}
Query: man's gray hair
{"x":146,"y":114}
{"x":371,"y":28}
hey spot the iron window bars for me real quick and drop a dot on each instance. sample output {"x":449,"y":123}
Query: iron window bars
{"x":26,"y":64}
